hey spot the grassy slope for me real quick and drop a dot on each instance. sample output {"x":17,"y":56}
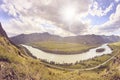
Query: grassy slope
{"x":62,"y":47}
{"x":14,"y":65}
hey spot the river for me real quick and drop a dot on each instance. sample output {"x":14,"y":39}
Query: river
{"x":61,"y":59}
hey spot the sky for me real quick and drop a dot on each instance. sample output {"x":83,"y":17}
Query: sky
{"x":60,"y":17}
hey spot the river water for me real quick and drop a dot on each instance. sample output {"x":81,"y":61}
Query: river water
{"x":61,"y":59}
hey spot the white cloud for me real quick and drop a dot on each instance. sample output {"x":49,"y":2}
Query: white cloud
{"x":96,"y":10}
{"x":116,"y":16}
{"x":30,"y":13}
{"x":110,"y":27}
{"x":117,"y":1}
{"x":15,"y":27}
{"x":52,"y":29}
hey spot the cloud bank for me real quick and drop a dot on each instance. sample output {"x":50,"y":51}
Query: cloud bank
{"x":60,"y":17}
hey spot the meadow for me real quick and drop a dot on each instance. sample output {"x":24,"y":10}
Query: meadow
{"x":62,"y":47}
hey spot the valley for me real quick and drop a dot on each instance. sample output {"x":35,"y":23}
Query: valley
{"x":17,"y":64}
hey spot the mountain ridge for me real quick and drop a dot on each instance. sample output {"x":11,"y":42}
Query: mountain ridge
{"x":85,"y":39}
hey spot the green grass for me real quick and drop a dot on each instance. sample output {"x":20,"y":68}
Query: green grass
{"x":84,"y":64}
{"x":62,"y":47}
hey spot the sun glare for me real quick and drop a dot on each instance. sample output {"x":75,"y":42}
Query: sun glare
{"x":68,"y":12}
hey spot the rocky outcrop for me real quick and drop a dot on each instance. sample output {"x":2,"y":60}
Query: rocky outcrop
{"x":2,"y":32}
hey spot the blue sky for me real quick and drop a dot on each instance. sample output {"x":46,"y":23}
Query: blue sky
{"x":68,"y":17}
{"x":97,"y":20}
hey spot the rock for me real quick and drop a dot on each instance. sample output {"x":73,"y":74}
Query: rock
{"x":2,"y":32}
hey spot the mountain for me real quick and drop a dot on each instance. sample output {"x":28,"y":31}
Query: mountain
{"x":35,"y":37}
{"x":87,"y":39}
{"x":112,"y":38}
{"x":84,"y":39}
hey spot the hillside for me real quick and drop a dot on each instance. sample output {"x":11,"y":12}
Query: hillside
{"x":16,"y":64}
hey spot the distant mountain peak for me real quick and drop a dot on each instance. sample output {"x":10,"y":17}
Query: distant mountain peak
{"x":46,"y":33}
